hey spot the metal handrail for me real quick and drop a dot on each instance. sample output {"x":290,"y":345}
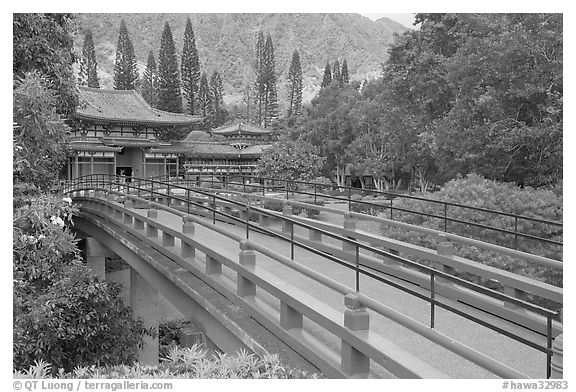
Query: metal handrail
{"x":358,"y":267}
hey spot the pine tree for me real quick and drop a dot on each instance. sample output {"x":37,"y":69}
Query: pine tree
{"x":205,"y":102}
{"x":271,"y":93}
{"x":169,"y":96}
{"x":150,"y":81}
{"x":260,"y":85}
{"x":88,"y":74}
{"x":327,"y":79}
{"x":344,"y":73}
{"x":295,"y":85}
{"x":336,"y":74}
{"x":125,"y":69}
{"x":217,"y":94}
{"x":190,"y":68}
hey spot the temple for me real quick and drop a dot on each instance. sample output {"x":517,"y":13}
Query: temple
{"x":117,"y":132}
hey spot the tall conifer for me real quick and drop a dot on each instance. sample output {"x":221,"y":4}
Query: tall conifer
{"x":327,"y":79}
{"x":217,"y":94}
{"x":125,"y":69}
{"x":295,"y":85}
{"x":271,"y":96}
{"x":260,"y":85}
{"x":169,"y":96}
{"x":205,"y":102}
{"x":336,"y":73}
{"x":150,"y":81}
{"x":190,"y":68}
{"x":88,"y":74}
{"x":344,"y":73}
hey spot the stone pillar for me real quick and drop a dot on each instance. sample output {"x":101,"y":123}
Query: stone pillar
{"x":151,"y":231}
{"x":96,"y":254}
{"x":144,"y":304}
{"x":246,"y":258}
{"x":287,"y":226}
{"x":356,"y":318}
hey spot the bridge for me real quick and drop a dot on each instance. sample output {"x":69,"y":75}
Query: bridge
{"x":319,"y":290}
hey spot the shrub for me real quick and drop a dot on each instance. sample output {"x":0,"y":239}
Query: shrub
{"x":192,"y":362}
{"x":62,"y":313}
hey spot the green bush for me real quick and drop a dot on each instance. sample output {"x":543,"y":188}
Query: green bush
{"x":192,"y":363}
{"x":62,"y":313}
{"x":477,"y":191}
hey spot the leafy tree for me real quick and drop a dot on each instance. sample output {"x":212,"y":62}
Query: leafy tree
{"x":295,"y":85}
{"x":344,"y":73}
{"x":39,"y":149}
{"x":149,"y":86}
{"x":217,"y":94}
{"x":190,"y":68}
{"x":336,"y":73}
{"x":169,"y":96}
{"x":125,"y":67}
{"x":291,"y":160}
{"x":327,"y":79}
{"x":88,"y":74}
{"x":62,"y":313}
{"x":329,"y":127}
{"x":42,"y":42}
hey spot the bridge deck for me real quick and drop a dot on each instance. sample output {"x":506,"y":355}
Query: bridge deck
{"x":489,"y":342}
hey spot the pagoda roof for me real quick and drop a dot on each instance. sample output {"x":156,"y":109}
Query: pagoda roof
{"x":92,"y":147}
{"x":241,"y":129}
{"x":210,"y":149}
{"x":125,"y":107}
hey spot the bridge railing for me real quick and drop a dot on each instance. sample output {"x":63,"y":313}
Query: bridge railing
{"x":210,"y":203}
{"x":447,"y":214}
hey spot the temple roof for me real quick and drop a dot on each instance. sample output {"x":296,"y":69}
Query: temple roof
{"x":92,"y":147}
{"x":125,"y":107}
{"x":210,"y":149}
{"x":241,"y":129}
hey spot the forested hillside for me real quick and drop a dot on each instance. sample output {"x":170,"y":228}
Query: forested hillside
{"x":226,"y":43}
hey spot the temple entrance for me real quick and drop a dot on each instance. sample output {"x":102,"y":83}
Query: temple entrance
{"x":124,"y":171}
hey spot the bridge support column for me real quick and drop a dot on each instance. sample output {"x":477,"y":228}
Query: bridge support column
{"x":349,"y":224}
{"x":96,"y":254}
{"x":356,"y":318}
{"x":144,"y":304}
{"x":287,"y":226}
{"x":246,"y":258}
{"x":557,"y":365}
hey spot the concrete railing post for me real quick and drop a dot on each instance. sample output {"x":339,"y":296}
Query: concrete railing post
{"x":356,"y":318}
{"x":557,"y":363}
{"x":287,"y":211}
{"x":213,"y":266}
{"x":516,"y":293}
{"x":290,"y":317}
{"x":138,"y":224}
{"x":314,"y":235}
{"x":246,"y":258}
{"x":167,"y":239}
{"x":144,"y":304}
{"x":349,"y":224}
{"x":151,"y":231}
{"x":186,"y":249}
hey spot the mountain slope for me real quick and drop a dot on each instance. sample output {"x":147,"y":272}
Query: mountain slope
{"x":226,"y":43}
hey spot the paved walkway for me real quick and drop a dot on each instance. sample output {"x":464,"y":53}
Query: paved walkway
{"x":516,"y":355}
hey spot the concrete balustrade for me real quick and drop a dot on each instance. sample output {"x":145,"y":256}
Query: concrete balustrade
{"x":290,"y":317}
{"x":188,"y":225}
{"x":167,"y":239}
{"x":356,"y":318}
{"x":314,"y":235}
{"x":138,"y":224}
{"x":246,"y":258}
{"x":516,"y":293}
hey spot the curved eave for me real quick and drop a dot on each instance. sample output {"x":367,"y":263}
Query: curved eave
{"x":136,"y":122}
{"x":93,"y":148}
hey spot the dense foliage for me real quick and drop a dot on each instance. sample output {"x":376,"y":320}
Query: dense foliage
{"x":125,"y":67}
{"x":479,"y":192}
{"x":62,"y":313}
{"x":42,"y":42}
{"x":189,"y":363}
{"x":169,"y":95}
{"x":291,"y":160}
